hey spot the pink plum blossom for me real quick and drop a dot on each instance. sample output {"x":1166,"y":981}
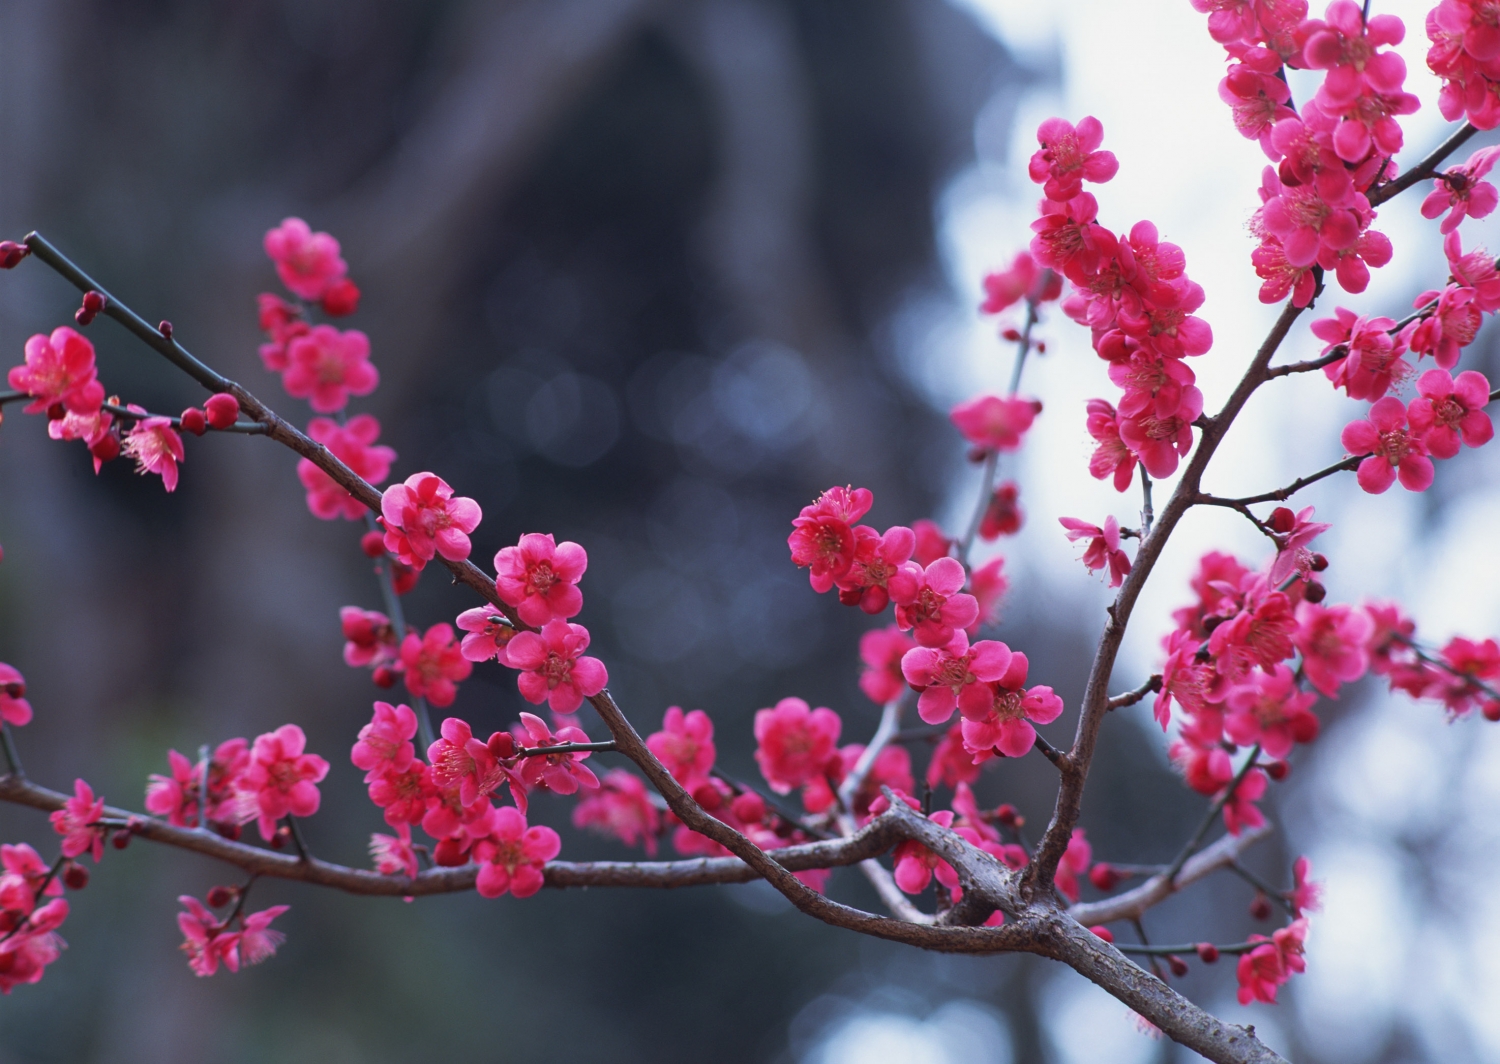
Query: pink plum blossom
{"x":424,"y":518}
{"x":822,"y":539}
{"x":1391,"y":448}
{"x":1023,"y":280}
{"x":685,"y":744}
{"x":995,"y":424}
{"x":282,"y":777}
{"x":1075,"y":863}
{"x":1269,"y":709}
{"x":369,"y":638}
{"x":1461,"y":191}
{"x":951,"y":763}
{"x":881,"y":650}
{"x":308,"y":263}
{"x":956,"y":676}
{"x":326,"y":366}
{"x":929,"y":603}
{"x":1451,"y":411}
{"x":25,"y":954}
{"x":433,"y":666}
{"x":14,"y":709}
{"x":553,"y":667}
{"x":487,"y":634}
{"x":988,"y":584}
{"x":539,"y":577}
{"x":1332,"y":640}
{"x":794,"y":742}
{"x":353,"y":444}
{"x":1111,"y":457}
{"x":1005,"y":723}
{"x":1293,"y":533}
{"x":877,"y":558}
{"x":622,"y":808}
{"x":477,"y":769}
{"x":385,"y":744}
{"x":155,"y":446}
{"x":511,"y":855}
{"x":1266,"y":967}
{"x":78,"y":823}
{"x":1305,"y":895}
{"x":59,"y":369}
{"x":1372,"y":360}
{"x":1069,"y":156}
{"x":1103,"y":548}
{"x":558,"y":773}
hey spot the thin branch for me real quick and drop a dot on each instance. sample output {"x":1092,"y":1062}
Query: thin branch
{"x":243,"y":428}
{"x":1191,"y":948}
{"x":889,"y":727}
{"x":1052,"y":753}
{"x":1281,"y":494}
{"x":1428,"y":167}
{"x":1130,"y":698}
{"x":1214,"y":810}
{"x":12,"y":755}
{"x":1278,"y":896}
{"x":13,"y":397}
{"x":1147,"y":513}
{"x":565,"y":748}
{"x":986,"y":490}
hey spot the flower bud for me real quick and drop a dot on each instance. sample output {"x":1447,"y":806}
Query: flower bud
{"x":1008,"y":816}
{"x":223,"y":410}
{"x":165,"y":328}
{"x":1103,"y":876}
{"x":194,"y":421}
{"x":449,"y":853}
{"x":1319,"y":563}
{"x":93,"y":303}
{"x":341,"y":298}
{"x":1278,"y":770}
{"x":384,"y":676}
{"x":12,"y":253}
{"x":1012,"y":334}
{"x":1282,"y":520}
{"x":75,"y":876}
{"x":1103,"y":932}
{"x":218,"y":897}
{"x":15,"y":689}
{"x":503,"y":745}
{"x":749,"y":807}
{"x":1208,"y":953}
{"x":120,"y":839}
{"x":1041,"y":347}
{"x":107,"y":449}
{"x":1177,"y":964}
{"x":1491,"y":710}
{"x":373,"y":544}
{"x":708,"y":796}
{"x":403,"y":577}
{"x":1315,"y":592}
{"x":1260,"y":907}
{"x":56,"y":412}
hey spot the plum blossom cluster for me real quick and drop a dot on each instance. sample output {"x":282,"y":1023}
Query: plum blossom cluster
{"x":1465,"y":53}
{"x":1329,"y":152}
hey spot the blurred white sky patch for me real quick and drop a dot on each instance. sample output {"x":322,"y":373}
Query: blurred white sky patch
{"x":959,"y":1032}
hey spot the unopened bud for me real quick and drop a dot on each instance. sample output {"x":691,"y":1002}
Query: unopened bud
{"x":12,"y":253}
{"x":403,"y":577}
{"x":1491,"y":710}
{"x":384,"y":676}
{"x":977,"y":454}
{"x":165,"y":328}
{"x":1103,"y":932}
{"x":120,"y":839}
{"x":341,"y":298}
{"x":282,"y":836}
{"x":1282,"y":520}
{"x":218,"y":897}
{"x":75,"y":876}
{"x":1041,"y":347}
{"x":1012,"y":334}
{"x":1277,"y":770}
{"x":1319,"y":563}
{"x":56,"y":412}
{"x":93,"y":303}
{"x":228,"y":830}
{"x":1177,"y":964}
{"x":449,"y":853}
{"x":223,"y":410}
{"x":1260,"y":907}
{"x":194,"y":421}
{"x":1314,"y":592}
{"x":502,"y":745}
{"x":749,"y":807}
{"x":1008,"y":816}
{"x":1104,"y":876}
{"x":15,"y":689}
{"x":107,"y":449}
{"x":373,"y":544}
{"x":708,"y":796}
{"x":1208,"y":952}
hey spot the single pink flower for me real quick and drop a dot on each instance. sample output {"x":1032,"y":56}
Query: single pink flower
{"x":1240,"y":810}
{"x":553,"y":667}
{"x":1261,"y":633}
{"x":1293,"y":533}
{"x":877,"y":558}
{"x":155,"y":446}
{"x":1023,"y":280}
{"x":1004,"y":725}
{"x":1103,"y":548}
{"x":308,"y":263}
{"x":1069,"y":239}
{"x":353,"y":444}
{"x":929,"y":603}
{"x":621,"y":808}
{"x":423,"y":518}
{"x":1002,"y":514}
{"x":881,"y":650}
{"x":559,"y":773}
{"x":995,"y":424}
{"x":78,"y":823}
{"x":488,"y":634}
{"x":385,"y":744}
{"x":956,"y":676}
{"x":931,"y":543}
{"x":685,"y":745}
{"x":1265,"y":968}
{"x":822,"y":538}
{"x":1450,"y":411}
{"x":393,"y":854}
{"x":539,"y":577}
{"x":59,"y":369}
{"x":915,"y":865}
{"x":24,"y":955}
{"x":988,"y":584}
{"x":404,"y":796}
{"x":1390,"y":447}
{"x":176,"y":797}
{"x":433,"y":665}
{"x":369,"y":638}
{"x":257,"y":941}
{"x":1332,"y":640}
{"x":1112,"y":456}
{"x":1075,"y":862}
{"x":282,"y":777}
{"x":205,"y":940}
{"x":1461,"y":192}
{"x":1269,"y":709}
{"x":1160,"y":440}
{"x":476,"y":769}
{"x":794,"y":742}
{"x":1372,"y":362}
{"x":1069,"y":156}
{"x":14,"y":709}
{"x":326,"y":366}
{"x":1447,"y":328}
{"x":1306,"y":896}
{"x":511,"y":855}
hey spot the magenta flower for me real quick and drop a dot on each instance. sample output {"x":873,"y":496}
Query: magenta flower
{"x":539,"y":578}
{"x":915,"y":865}
{"x":1392,"y":449}
{"x":1450,"y":411}
{"x":559,"y":773}
{"x":475,"y":769}
{"x":205,"y":941}
{"x":1270,"y":710}
{"x":1004,"y":724}
{"x":553,"y":668}
{"x":1305,"y":895}
{"x":1069,"y":156}
{"x":685,"y":745}
{"x":59,"y":369}
{"x":14,"y":709}
{"x":1461,"y":192}
{"x":881,"y":650}
{"x":822,"y":540}
{"x":308,"y":263}
{"x":1230,"y":20}
{"x":929,"y":603}
{"x":176,"y":797}
{"x":1362,"y":85}
{"x":1259,"y":634}
{"x":1280,"y":277}
{"x":423,"y":518}
{"x":988,"y":584}
{"x":282,"y":777}
{"x":385,"y":744}
{"x":995,"y":424}
{"x":1372,"y":360}
{"x":24,"y":877}
{"x":1075,"y":862}
{"x":1240,"y":810}
{"x":876,"y":560}
{"x":393,"y":854}
{"x":1332,"y":640}
{"x":25,"y":954}
{"x":1474,"y":269}
{"x":369,"y":638}
{"x":1024,"y":280}
{"x":326,"y":366}
{"x":956,"y":676}
{"x":1159,"y":440}
{"x":1447,"y":328}
{"x":622,"y":809}
{"x":488,"y":633}
{"x":511,"y":855}
{"x":78,"y":823}
{"x":257,"y":941}
{"x":1069,"y":240}
{"x":1103,"y":548}
{"x":1257,"y":99}
{"x":1293,"y":533}
{"x":1268,"y":966}
{"x":354,"y":445}
{"x":931,"y":543}
{"x":951,"y":764}
{"x":794,"y":743}
{"x":433,"y":665}
{"x":404,"y":797}
{"x":155,"y":446}
{"x":1111,"y":457}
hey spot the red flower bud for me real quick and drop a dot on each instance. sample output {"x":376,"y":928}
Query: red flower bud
{"x":341,"y":298}
{"x":449,"y":854}
{"x":403,"y":577}
{"x":1282,"y":520}
{"x":1491,"y":711}
{"x":223,"y":410}
{"x":749,"y":807}
{"x":1177,"y":964}
{"x":194,"y":421}
{"x":503,"y":745}
{"x":1103,"y":876}
{"x":75,"y":876}
{"x":373,"y":544}
{"x":1103,"y":932}
{"x":1319,"y":563}
{"x":56,"y":412}
{"x":1260,"y":907}
{"x":1315,"y":592}
{"x":15,"y":689}
{"x":384,"y":676}
{"x":107,"y":449}
{"x":708,"y":796}
{"x":1208,"y":952}
{"x":12,"y":253}
{"x":218,"y":897}
{"x":1006,"y":814}
{"x":120,"y":839}
{"x":1278,"y":770}
{"x":165,"y":328}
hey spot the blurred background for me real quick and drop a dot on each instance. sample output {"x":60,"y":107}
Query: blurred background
{"x":650,"y":274}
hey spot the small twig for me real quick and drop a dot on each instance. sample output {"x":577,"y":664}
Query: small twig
{"x":890,"y":723}
{"x":986,"y":489}
{"x":244,"y":428}
{"x":1281,"y":494}
{"x":1278,"y":896}
{"x":1148,"y":514}
{"x":203,"y":762}
{"x":564,"y":748}
{"x":13,"y":397}
{"x":302,"y":851}
{"x":1052,"y":753}
{"x":1424,"y":169}
{"x":12,"y":755}
{"x":1130,"y":698}
{"x":1213,"y":813}
{"x":1439,"y":663}
{"x":1192,"y":947}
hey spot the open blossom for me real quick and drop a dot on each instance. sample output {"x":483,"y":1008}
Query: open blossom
{"x":78,"y":823}
{"x":1075,"y":863}
{"x":1450,"y":411}
{"x":1159,"y":440}
{"x":915,"y":865}
{"x":423,"y":518}
{"x":1024,"y":280}
{"x":1270,"y":965}
{"x":822,"y":538}
{"x":25,"y":954}
{"x":59,"y":369}
{"x":385,"y":744}
{"x":1004,"y":724}
{"x":929,"y":603}
{"x":1259,"y":634}
{"x":685,"y":744}
{"x":1112,"y":456}
{"x":1372,"y":362}
{"x":477,"y":769}
{"x":1469,"y":664}
{"x":794,"y":742}
{"x":1002,"y":514}
{"x":1270,"y":710}
{"x":956,"y":676}
{"x":1069,"y":239}
{"x":559,"y":773}
{"x":1240,"y":811}
{"x":14,"y":709}
{"x":353,"y":444}
{"x":257,"y":940}
{"x":176,"y":797}
{"x":621,"y":807}
{"x":931,"y":543}
{"x":1069,"y":156}
{"x":155,"y":446}
{"x":1332,"y":640}
{"x":369,"y":638}
{"x":995,"y":424}
{"x":282,"y":777}
{"x":1392,"y":449}
{"x":1306,"y":895}
{"x":487,"y":634}
{"x":1461,"y":192}
{"x":881,"y":650}
{"x":326,"y":366}
{"x":404,"y":796}
{"x":308,"y":263}
{"x":539,"y":577}
{"x":1293,"y":533}
{"x":877,"y":560}
{"x":510,"y":854}
{"x":988,"y":584}
{"x":951,"y":764}
{"x":1447,"y":328}
{"x":433,"y":665}
{"x":393,"y":854}
{"x":553,"y":666}
{"x":1362,"y":86}
{"x":1103,"y":548}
